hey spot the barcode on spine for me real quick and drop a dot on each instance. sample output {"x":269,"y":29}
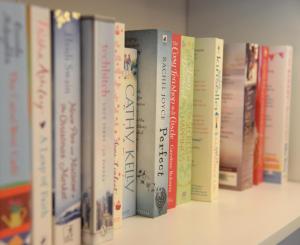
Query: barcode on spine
{"x":228,"y":178}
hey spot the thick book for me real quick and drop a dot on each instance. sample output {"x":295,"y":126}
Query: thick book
{"x":129,"y":124}
{"x":260,"y":114}
{"x":154,"y":68}
{"x":207,"y":118}
{"x":15,"y":140}
{"x":174,"y":109}
{"x":66,"y":127}
{"x":119,"y":115}
{"x":98,"y":138}
{"x":278,"y":114}
{"x":238,"y":114}
{"x":39,"y":30}
{"x":185,"y":120}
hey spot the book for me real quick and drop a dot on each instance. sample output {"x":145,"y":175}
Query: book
{"x":119,"y":115}
{"x":260,"y":114}
{"x":66,"y":127}
{"x":207,"y":118}
{"x":278,"y":114}
{"x":174,"y":110}
{"x":129,"y":124}
{"x":98,"y":138}
{"x":15,"y":140}
{"x":238,"y":114}
{"x":185,"y":120}
{"x":154,"y":68}
{"x":39,"y":30}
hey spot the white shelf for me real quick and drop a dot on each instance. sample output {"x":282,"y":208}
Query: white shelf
{"x":264,"y":214}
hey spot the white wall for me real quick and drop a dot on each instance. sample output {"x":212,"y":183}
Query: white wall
{"x":263,"y":21}
{"x":137,"y":14}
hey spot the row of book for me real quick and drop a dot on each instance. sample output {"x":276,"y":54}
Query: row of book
{"x":99,"y":124}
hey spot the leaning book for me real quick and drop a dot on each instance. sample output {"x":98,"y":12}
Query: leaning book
{"x":39,"y":29}
{"x":278,"y":114}
{"x":97,"y":128}
{"x":154,"y":67}
{"x":15,"y":140}
{"x":66,"y":127}
{"x":207,"y":118}
{"x":238,"y":114}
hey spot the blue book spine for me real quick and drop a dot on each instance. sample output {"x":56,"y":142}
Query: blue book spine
{"x":66,"y":127}
{"x":15,"y":157}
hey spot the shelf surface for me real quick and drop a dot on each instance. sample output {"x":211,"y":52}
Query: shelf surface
{"x":264,"y":214}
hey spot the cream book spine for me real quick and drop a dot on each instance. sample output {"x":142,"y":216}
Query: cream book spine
{"x":206,"y":118}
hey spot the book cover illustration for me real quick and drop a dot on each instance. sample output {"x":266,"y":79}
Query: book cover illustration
{"x":66,"y":123}
{"x":119,"y":115}
{"x":154,"y":68}
{"x":129,"y":123}
{"x":15,"y":143}
{"x":41,"y":125}
{"x":185,"y":121}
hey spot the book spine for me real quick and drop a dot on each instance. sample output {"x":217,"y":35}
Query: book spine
{"x":129,"y":123}
{"x":41,"y":124}
{"x":15,"y":140}
{"x":174,"y":106}
{"x":163,"y":80}
{"x":66,"y":132}
{"x":184,"y":161}
{"x":119,"y":115}
{"x":260,"y":114}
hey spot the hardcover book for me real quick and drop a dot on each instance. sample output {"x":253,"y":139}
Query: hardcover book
{"x":238,"y":113}
{"x":129,"y":124}
{"x":15,"y":142}
{"x":174,"y":108}
{"x":154,"y":68}
{"x":260,"y":114}
{"x":207,"y":118}
{"x":185,"y":120}
{"x":119,"y":115}
{"x":278,"y":114}
{"x":39,"y":29}
{"x":98,"y":137}
{"x":66,"y":131}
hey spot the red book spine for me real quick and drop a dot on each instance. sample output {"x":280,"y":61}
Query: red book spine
{"x":260,"y":114}
{"x":174,"y":106}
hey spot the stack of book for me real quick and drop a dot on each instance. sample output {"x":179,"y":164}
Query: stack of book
{"x":99,"y":124}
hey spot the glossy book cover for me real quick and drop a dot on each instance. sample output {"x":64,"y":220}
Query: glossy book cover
{"x":129,"y":124}
{"x":15,"y":141}
{"x":153,"y":99}
{"x":66,"y":127}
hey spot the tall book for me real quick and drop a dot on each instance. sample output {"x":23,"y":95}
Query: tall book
{"x":98,"y":138}
{"x":15,"y":140}
{"x":278,"y":114}
{"x":119,"y":115}
{"x":174,"y":110}
{"x":39,"y":30}
{"x":238,"y":114}
{"x":154,"y":68}
{"x":66,"y":127}
{"x":260,"y":114}
{"x":185,"y":120}
{"x":207,"y":118}
{"x":129,"y":125}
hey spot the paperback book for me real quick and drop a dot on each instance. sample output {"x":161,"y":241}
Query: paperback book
{"x":15,"y":140}
{"x":98,"y":137}
{"x":278,"y":114}
{"x":154,"y":68}
{"x":207,"y":118}
{"x":66,"y":131}
{"x":129,"y":124}
{"x":238,"y":114}
{"x":39,"y":30}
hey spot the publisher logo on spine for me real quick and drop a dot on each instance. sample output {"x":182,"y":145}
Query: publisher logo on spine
{"x":160,"y":198}
{"x":164,"y":38}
